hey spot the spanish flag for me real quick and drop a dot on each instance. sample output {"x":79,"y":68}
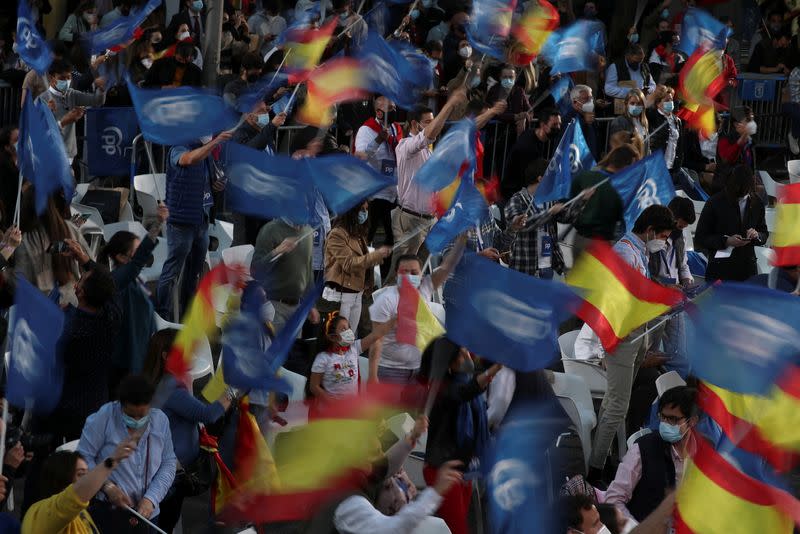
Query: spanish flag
{"x":701,"y":78}
{"x":200,"y":320}
{"x":699,"y":117}
{"x":786,"y":238}
{"x":336,"y":81}
{"x":532,"y":30}
{"x":416,"y":324}
{"x":617,"y":298}
{"x":303,"y":47}
{"x":716,"y":498}
{"x":767,"y":426}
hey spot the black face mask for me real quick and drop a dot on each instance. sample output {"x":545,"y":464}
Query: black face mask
{"x":252,"y":78}
{"x":554,"y":133}
{"x":634,"y":65}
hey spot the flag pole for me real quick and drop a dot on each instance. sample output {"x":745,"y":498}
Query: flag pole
{"x":411,"y":236}
{"x":649,"y":135}
{"x":303,"y":236}
{"x":17,"y":210}
{"x":673,"y":313}
{"x":289,"y":103}
{"x":143,"y":518}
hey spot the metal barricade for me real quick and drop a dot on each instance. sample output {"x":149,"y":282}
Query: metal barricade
{"x":763,"y":94}
{"x":9,"y":103}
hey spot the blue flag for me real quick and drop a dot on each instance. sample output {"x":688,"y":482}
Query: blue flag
{"x":120,"y":31}
{"x":517,"y":470}
{"x":284,"y":340}
{"x":378,"y":18}
{"x":700,"y":27}
{"x":109,"y":135}
{"x":571,"y":157}
{"x":283,"y":105}
{"x":456,"y":147}
{"x":489,"y":25}
{"x":31,"y":45}
{"x":742,"y":337}
{"x":263,"y":88}
{"x":42,"y":156}
{"x":396,"y":71}
{"x":509,"y":316}
{"x":345,"y":181}
{"x":575,"y":48}
{"x":560,"y":92}
{"x":267,"y":186}
{"x":35,"y":371}
{"x":643,"y":184}
{"x":244,"y":355}
{"x":181,"y":115}
{"x":468,"y":209}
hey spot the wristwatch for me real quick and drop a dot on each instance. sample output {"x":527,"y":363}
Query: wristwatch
{"x":109,"y":462}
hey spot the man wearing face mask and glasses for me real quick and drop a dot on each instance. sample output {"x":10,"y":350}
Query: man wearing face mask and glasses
{"x":583,"y":109}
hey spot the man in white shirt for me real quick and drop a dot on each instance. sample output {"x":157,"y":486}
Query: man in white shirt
{"x":413,"y":217}
{"x":630,"y":68}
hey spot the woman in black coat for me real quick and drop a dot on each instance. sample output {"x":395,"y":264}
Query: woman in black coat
{"x":733,"y":222}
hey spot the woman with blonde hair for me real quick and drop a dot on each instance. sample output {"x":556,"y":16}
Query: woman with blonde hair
{"x":633,"y":119}
{"x":666,"y":128}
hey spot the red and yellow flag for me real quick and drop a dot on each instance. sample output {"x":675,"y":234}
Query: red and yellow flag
{"x":200,"y":320}
{"x":416,"y":324}
{"x":716,"y":498}
{"x":616,"y":297}
{"x":700,"y":117}
{"x":701,"y":79}
{"x":532,"y":30}
{"x":786,"y":238}
{"x":766,"y":426}
{"x":336,"y":81}
{"x":303,"y":47}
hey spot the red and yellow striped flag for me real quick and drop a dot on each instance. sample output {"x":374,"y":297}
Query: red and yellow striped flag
{"x":336,"y":81}
{"x":303,"y":47}
{"x":766,"y":426}
{"x":616,"y":297}
{"x":532,"y":30}
{"x":416,"y":324}
{"x":200,"y":320}
{"x":701,"y":77}
{"x":786,"y":238}
{"x":716,"y":498}
{"x":700,"y":117}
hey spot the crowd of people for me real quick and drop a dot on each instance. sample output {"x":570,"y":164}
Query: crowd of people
{"x":138,"y":453}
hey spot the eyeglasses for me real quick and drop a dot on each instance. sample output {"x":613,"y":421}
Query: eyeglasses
{"x":670,"y":419}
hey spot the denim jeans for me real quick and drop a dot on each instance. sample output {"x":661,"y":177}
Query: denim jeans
{"x":187,"y":247}
{"x":674,"y":341}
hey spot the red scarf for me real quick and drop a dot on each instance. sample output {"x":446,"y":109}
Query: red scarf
{"x":395,"y":132}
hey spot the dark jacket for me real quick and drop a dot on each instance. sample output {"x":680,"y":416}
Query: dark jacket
{"x":186,"y":189}
{"x":442,"y":443}
{"x":183,"y":17}
{"x":660,"y":138}
{"x":679,"y":246}
{"x":9,"y":183}
{"x":516,"y":98}
{"x":589,"y":132}
{"x":693,"y":157}
{"x":162,"y":73}
{"x":720,"y":218}
{"x":658,"y":475}
{"x":603,"y":211}
{"x":525,"y":151}
{"x":624,"y":73}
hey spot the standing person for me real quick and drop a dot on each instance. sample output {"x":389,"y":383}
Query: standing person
{"x":191,"y":14}
{"x":349,"y":264}
{"x":633,"y":119}
{"x":459,"y":428}
{"x":667,"y":128}
{"x":413,"y":216}
{"x":267,"y":24}
{"x":731,"y":225}
{"x":190,"y":180}
{"x":141,"y":482}
{"x":175,"y":71}
{"x":82,"y":20}
{"x":518,"y":105}
{"x":631,"y":68}
{"x":533,"y":144}
{"x":737,"y":146}
{"x":583,"y":110}
{"x":649,"y":232}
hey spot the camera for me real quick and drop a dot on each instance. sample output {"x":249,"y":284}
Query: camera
{"x":30,"y":442}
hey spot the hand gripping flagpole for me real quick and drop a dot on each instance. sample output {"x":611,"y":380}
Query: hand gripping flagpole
{"x":143,"y":518}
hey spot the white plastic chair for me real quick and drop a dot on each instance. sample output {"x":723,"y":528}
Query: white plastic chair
{"x":770,"y":214}
{"x":298,"y":383}
{"x":80,"y":192}
{"x":223,"y":231}
{"x":160,"y":252}
{"x":638,"y":434}
{"x":794,"y":171}
{"x":591,"y":373}
{"x":162,"y":324}
{"x":150,"y":188}
{"x":203,"y":361}
{"x":127,"y":226}
{"x":432,"y":525}
{"x":238,"y":255}
{"x":764,"y":257}
{"x":668,"y":381}
{"x":70,"y":446}
{"x":770,"y":185}
{"x":126,"y":213}
{"x":574,"y":395}
{"x":566,"y":244}
{"x":363,"y":371}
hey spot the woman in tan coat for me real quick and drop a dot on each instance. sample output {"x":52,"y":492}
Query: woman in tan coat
{"x":349,"y":264}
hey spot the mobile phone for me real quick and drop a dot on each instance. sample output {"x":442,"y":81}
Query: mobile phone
{"x":57,"y":247}
{"x":81,"y":217}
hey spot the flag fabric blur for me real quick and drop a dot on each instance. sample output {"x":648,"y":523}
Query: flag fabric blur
{"x":469,"y":208}
{"x":505,"y":314}
{"x":456,"y":147}
{"x":416,"y":324}
{"x":701,"y":78}
{"x":768,"y":426}
{"x":338,"y":80}
{"x":263,"y":88}
{"x":786,"y":237}
{"x":41,"y":154}
{"x":571,"y":157}
{"x":378,"y":18}
{"x":344,"y":180}
{"x":643,"y":184}
{"x":699,"y":117}
{"x":263,"y":185}
{"x":118,"y":32}
{"x":575,"y":48}
{"x":715,"y":497}
{"x":284,"y":104}
{"x":515,"y":467}
{"x":284,"y":340}
{"x":617,"y":298}
{"x":181,"y":115}
{"x":753,"y":333}
{"x":560,"y":91}
{"x":35,"y":370}
{"x":245,"y":359}
{"x":490,"y":25}
{"x":303,"y":46}
{"x":31,"y":45}
{"x":701,"y":28}
{"x":532,"y":30}
{"x":200,"y":320}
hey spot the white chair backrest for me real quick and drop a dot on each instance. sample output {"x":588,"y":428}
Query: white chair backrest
{"x":566,"y":342}
{"x":126,"y":214}
{"x":698,"y":206}
{"x":770,"y":215}
{"x":638,"y":434}
{"x":401,"y":425}
{"x":668,"y":381}
{"x":162,"y":324}
{"x":764,"y":257}
{"x":70,"y":446}
{"x":794,"y":171}
{"x":770,"y":186}
{"x":223,"y":231}
{"x":94,"y":216}
{"x":298,"y":383}
{"x":363,"y":369}
{"x":573,"y":387}
{"x":592,"y":374}
{"x":688,"y":236}
{"x":154,"y":185}
{"x":128,"y":226}
{"x":238,"y":255}
{"x":80,"y":192}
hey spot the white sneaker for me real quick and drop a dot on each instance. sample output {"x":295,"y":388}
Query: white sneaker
{"x":793,"y":144}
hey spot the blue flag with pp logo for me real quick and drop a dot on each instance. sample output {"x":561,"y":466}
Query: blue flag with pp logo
{"x":267,"y":186}
{"x":741,"y":337}
{"x":489,"y":26}
{"x":118,"y":32}
{"x":35,"y":372}
{"x":42,"y":157}
{"x":509,"y":316}
{"x":345,"y":181}
{"x":31,"y":45}
{"x":455,"y":148}
{"x":700,"y":27}
{"x":571,"y":157}
{"x":575,"y":48}
{"x":181,"y":115}
{"x":244,"y":356}
{"x":643,"y":184}
{"x":468,"y":209}
{"x":109,"y":135}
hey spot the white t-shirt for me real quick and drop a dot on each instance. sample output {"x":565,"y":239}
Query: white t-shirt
{"x":397,"y":355}
{"x":339,"y":371}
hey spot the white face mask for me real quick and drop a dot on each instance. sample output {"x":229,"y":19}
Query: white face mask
{"x":465,"y":52}
{"x":205,"y":139}
{"x":588,"y":107}
{"x":147,"y":62}
{"x":655,"y":246}
{"x":347,"y":337}
{"x":751,"y":128}
{"x":604,"y":530}
{"x":183,"y":35}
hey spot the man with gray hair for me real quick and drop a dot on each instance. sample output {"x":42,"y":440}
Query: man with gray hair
{"x":583,"y":110}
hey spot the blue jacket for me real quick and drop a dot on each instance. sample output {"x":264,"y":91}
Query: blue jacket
{"x":184,"y":413}
{"x":188,"y":188}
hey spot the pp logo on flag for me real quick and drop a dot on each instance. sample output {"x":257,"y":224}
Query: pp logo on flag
{"x":575,"y":163}
{"x":572,"y":47}
{"x":172,"y":110}
{"x":112,"y":139}
{"x":647,"y":195}
{"x":258,"y":182}
{"x":450,"y":215}
{"x":23,"y":351}
{"x":25,"y":34}
{"x":511,"y":481}
{"x":755,"y":337}
{"x":555,"y":162}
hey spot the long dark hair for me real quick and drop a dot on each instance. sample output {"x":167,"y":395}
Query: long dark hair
{"x":160,"y":342}
{"x":52,"y":224}
{"x":58,"y":471}
{"x":120,"y":243}
{"x":349,"y":221}
{"x":739,"y":182}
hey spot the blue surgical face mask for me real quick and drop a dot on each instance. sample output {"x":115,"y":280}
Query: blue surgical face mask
{"x":634,"y":38}
{"x":507,"y":83}
{"x":415,"y":279}
{"x":475,"y":82}
{"x":414,"y":14}
{"x":670,"y":433}
{"x":344,"y":16}
{"x":263,"y":119}
{"x":135,"y":424}
{"x":363,"y":215}
{"x":197,"y":5}
{"x":665,"y":13}
{"x":635,"y":110}
{"x":668,"y":106}
{"x":62,"y":85}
